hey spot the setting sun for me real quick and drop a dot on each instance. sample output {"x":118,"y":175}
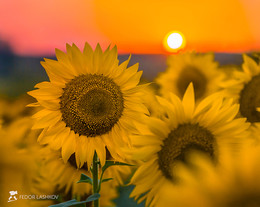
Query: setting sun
{"x":174,"y":41}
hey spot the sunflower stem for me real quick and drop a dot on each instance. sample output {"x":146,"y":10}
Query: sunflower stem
{"x":95,"y":177}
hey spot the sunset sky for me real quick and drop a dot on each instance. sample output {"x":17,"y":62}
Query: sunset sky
{"x":34,"y":27}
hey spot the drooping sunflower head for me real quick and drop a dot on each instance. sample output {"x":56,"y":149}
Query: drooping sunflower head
{"x":89,"y":103}
{"x":244,"y":87}
{"x":201,"y":69}
{"x":233,"y":183}
{"x":182,"y":141}
{"x":210,"y":128}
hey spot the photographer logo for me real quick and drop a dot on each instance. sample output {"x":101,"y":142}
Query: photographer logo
{"x":12,"y":196}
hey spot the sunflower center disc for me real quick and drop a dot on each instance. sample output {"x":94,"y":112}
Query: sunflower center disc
{"x":182,"y":140}
{"x":192,"y":74}
{"x":250,"y":100}
{"x":91,"y":104}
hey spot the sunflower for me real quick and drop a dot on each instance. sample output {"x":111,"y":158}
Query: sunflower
{"x":41,"y":186}
{"x":234,"y":183}
{"x":17,"y":141}
{"x":20,"y":134}
{"x":210,"y":127}
{"x":228,"y":70}
{"x":201,"y":69}
{"x":244,"y":88}
{"x":90,"y":103}
{"x":150,"y":101}
{"x":12,"y":109}
{"x":17,"y":164}
{"x":62,"y":179}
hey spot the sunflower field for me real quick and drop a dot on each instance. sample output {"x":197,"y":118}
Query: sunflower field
{"x":96,"y":131}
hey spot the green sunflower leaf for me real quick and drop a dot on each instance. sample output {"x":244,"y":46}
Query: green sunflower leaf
{"x":93,"y":197}
{"x":106,"y":179}
{"x":65,"y":204}
{"x":85,"y":179}
{"x":75,"y":203}
{"x":110,"y":163}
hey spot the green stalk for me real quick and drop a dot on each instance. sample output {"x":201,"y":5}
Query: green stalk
{"x":95,"y":177}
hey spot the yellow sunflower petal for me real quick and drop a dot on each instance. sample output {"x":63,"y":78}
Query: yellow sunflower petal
{"x":250,"y":66}
{"x":68,"y":146}
{"x":188,"y":101}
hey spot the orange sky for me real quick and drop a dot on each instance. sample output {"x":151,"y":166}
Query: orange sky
{"x":37,"y":27}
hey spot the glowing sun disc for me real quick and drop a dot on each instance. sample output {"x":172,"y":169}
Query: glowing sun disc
{"x":174,"y":41}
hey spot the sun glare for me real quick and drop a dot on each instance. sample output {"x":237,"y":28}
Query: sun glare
{"x":174,"y":41}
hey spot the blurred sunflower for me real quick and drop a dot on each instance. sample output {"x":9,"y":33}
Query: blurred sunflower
{"x":62,"y":178}
{"x":150,"y":101}
{"x":12,"y":109}
{"x":210,"y":127}
{"x":17,"y":160}
{"x":201,"y":69}
{"x":20,"y":134}
{"x":228,"y":70}
{"x":41,"y":186}
{"x":234,"y":183}
{"x":244,"y":87}
{"x":90,"y":103}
